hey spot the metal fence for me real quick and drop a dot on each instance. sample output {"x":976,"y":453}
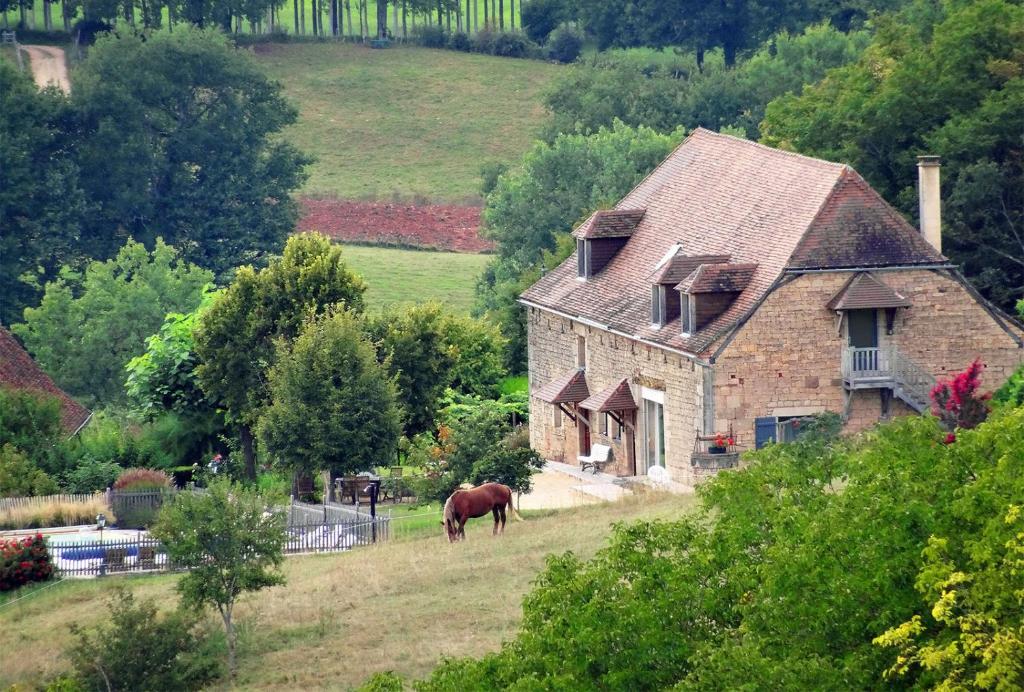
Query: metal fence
{"x":146,"y":554}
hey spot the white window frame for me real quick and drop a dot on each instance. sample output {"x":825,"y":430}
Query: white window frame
{"x":582,"y":258}
{"x":659,"y":305}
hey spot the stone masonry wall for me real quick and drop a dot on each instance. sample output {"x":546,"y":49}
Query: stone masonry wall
{"x":552,"y":342}
{"x":786,"y":360}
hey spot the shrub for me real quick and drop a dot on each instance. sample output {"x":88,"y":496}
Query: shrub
{"x":565,"y":43}
{"x":513,"y":45}
{"x":540,"y":17}
{"x":92,"y":475}
{"x":23,"y":560}
{"x":20,"y":477}
{"x":136,"y":480}
{"x":431,"y":36}
{"x":141,"y":650}
{"x":30,"y":422}
{"x":388,"y":681}
{"x":511,"y":466}
{"x":139,"y":512}
{"x":956,"y":403}
{"x":55,"y":513}
{"x":460,"y":41}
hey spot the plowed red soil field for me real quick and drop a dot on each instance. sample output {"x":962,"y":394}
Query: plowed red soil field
{"x":436,"y":226}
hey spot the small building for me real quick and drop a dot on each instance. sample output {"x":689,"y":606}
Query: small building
{"x":735,"y":290}
{"x":19,"y":371}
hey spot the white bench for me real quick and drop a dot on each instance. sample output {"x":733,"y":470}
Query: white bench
{"x":599,"y":456}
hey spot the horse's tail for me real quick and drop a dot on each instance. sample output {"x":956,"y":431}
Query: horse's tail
{"x":511,"y":507}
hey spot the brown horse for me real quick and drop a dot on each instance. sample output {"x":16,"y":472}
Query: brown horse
{"x":464,"y":505}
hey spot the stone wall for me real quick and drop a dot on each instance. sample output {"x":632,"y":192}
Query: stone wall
{"x":786,"y":360}
{"x":552,"y":349}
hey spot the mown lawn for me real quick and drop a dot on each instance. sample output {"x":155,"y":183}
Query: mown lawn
{"x":407,"y":121}
{"x":398,"y":606}
{"x":402,"y":277}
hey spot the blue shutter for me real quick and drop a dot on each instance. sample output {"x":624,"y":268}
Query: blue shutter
{"x":764,"y":431}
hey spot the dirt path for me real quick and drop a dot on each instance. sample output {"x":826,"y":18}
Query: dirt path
{"x":48,"y":66}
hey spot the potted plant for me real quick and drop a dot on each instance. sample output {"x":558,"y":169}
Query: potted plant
{"x":721,"y":445}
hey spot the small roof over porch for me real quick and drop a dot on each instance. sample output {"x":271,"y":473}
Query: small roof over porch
{"x":570,"y":388}
{"x":618,"y":397}
{"x":865,"y":292}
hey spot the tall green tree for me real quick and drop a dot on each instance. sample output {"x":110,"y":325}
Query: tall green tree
{"x":949,"y":83}
{"x":179,"y":138}
{"x":412,"y":343}
{"x":235,"y":338}
{"x":334,"y":407}
{"x":41,"y":201}
{"x":89,"y":325}
{"x":231,"y":544}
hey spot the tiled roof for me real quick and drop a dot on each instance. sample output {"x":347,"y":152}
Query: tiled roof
{"x":18,"y":371}
{"x":610,"y":223}
{"x":720,"y":195}
{"x":618,"y":397}
{"x":719,"y":278}
{"x":570,"y":388}
{"x":864,"y":291}
{"x":681,"y":266}
{"x":856,"y":228}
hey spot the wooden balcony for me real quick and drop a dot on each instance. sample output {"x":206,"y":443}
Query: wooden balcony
{"x":886,"y":367}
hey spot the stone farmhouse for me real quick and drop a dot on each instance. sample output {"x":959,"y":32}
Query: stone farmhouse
{"x":735,"y":290}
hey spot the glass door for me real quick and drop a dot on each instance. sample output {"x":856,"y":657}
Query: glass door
{"x":654,"y":432}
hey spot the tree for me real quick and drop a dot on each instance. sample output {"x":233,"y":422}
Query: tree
{"x":333,"y":406}
{"x":230,"y":542}
{"x":179,"y":139}
{"x":541,"y":17}
{"x":412,"y":343}
{"x":89,"y":325}
{"x":950,"y":83}
{"x":478,"y":351}
{"x":19,"y":477}
{"x":235,"y":338}
{"x":30,"y":423}
{"x":38,"y":228}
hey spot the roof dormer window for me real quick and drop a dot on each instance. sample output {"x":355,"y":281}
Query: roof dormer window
{"x":658,"y":305}
{"x":582,"y":258}
{"x":688,"y":312}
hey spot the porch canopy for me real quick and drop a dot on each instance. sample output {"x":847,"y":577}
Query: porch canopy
{"x":615,"y":398}
{"x":865,"y":292}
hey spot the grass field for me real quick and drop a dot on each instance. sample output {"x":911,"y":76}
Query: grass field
{"x":341,"y":617}
{"x":402,"y":277}
{"x":406,"y":120}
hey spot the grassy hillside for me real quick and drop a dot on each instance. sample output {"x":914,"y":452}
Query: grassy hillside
{"x":342,"y":617}
{"x":411,"y":121}
{"x":397,"y":276}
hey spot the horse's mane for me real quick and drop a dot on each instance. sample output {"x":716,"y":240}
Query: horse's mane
{"x":449,"y":509}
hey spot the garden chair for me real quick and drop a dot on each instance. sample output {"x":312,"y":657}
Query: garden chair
{"x":599,"y":456}
{"x":113,"y":559}
{"x":147,"y":557}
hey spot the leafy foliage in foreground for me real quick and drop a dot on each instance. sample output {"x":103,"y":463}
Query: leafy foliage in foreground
{"x":139,"y":649}
{"x":796,"y":565}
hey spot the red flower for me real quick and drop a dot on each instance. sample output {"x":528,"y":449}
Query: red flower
{"x":950,"y":438}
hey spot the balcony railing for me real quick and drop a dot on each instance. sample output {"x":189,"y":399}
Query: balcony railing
{"x":864,"y":368}
{"x":867,"y":365}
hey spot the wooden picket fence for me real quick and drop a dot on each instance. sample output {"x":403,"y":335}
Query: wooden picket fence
{"x":39,"y":500}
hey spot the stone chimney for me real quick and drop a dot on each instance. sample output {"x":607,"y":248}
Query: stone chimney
{"x":930,"y":199}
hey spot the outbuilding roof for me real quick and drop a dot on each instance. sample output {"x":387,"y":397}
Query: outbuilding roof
{"x":19,"y":372}
{"x":721,"y":195}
